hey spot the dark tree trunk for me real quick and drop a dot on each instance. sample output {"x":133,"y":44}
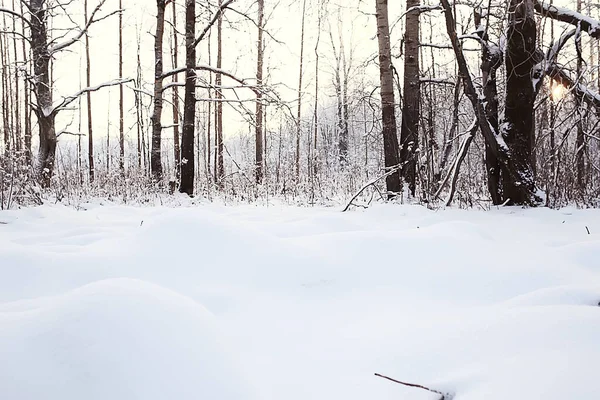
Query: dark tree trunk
{"x":409,"y":134}
{"x":259,"y":107}
{"x":189,"y":108}
{"x":176,"y":144}
{"x":27,"y":109}
{"x":155,"y":155}
{"x":121,"y":95}
{"x":490,"y":62}
{"x":390,"y":138}
{"x":517,"y":127}
{"x":219,"y":164}
{"x":580,"y":141}
{"x":41,"y":69}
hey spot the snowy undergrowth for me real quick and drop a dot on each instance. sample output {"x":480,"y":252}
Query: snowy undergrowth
{"x":247,"y":302}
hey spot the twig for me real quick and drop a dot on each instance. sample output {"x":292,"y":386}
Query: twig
{"x":371,"y":182}
{"x":445,"y":396}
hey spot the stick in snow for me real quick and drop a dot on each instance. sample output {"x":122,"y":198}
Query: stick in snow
{"x":445,"y":396}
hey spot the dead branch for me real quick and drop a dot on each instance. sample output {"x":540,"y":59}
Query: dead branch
{"x":445,"y":396}
{"x":370,"y":183}
{"x":587,"y":24}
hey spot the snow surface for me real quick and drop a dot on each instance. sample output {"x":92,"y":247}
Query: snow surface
{"x":214,"y":302}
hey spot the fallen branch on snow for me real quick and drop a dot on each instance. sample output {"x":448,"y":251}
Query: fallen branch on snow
{"x":445,"y":396}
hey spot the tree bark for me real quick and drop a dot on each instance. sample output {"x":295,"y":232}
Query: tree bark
{"x":259,"y":151}
{"x":409,"y":134}
{"x":390,"y":138}
{"x":580,"y":141}
{"x":175,"y":98}
{"x":299,"y":114}
{"x":44,"y":113}
{"x":490,"y":62}
{"x":517,"y":126}
{"x":155,"y":155}
{"x":189,"y":108}
{"x":88,"y":74}
{"x":219,"y":165}
{"x":121,"y":95}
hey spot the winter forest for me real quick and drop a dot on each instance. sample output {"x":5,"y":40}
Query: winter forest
{"x":299,"y":199}
{"x":314,"y":101}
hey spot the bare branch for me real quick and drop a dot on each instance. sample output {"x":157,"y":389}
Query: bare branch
{"x":15,"y":14}
{"x":215,"y":18}
{"x":68,"y":100}
{"x":587,"y":24}
{"x":61,"y":46}
{"x":445,"y":396}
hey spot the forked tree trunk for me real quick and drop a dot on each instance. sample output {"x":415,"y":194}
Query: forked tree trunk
{"x":390,"y":137}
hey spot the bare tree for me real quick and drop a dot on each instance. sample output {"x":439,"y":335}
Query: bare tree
{"x":189,"y":108}
{"x":259,"y":151}
{"x":121,"y":95}
{"x":155,"y":155}
{"x":409,"y":134}
{"x":390,"y":138}
{"x":299,"y":114}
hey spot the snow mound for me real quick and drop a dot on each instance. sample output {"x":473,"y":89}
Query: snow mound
{"x":114,"y":339}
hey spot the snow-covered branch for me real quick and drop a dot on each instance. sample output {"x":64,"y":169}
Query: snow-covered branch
{"x":214,"y":19}
{"x":89,"y":22}
{"x":69,"y":99}
{"x":204,"y":67}
{"x":587,"y":24}
{"x":561,"y":76}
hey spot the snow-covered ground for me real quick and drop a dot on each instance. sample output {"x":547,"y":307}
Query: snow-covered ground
{"x":280,"y":303}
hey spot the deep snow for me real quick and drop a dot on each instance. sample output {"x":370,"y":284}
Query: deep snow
{"x":214,"y":302}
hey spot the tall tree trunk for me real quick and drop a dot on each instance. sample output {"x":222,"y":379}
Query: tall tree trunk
{"x":517,"y":127}
{"x":43,"y":90}
{"x":345,"y":133}
{"x":141,"y":152}
{"x":580,"y":140}
{"x":27,"y":109}
{"x":409,"y":134}
{"x":259,"y":151}
{"x":88,"y":74}
{"x":189,"y":108}
{"x":390,"y":137}
{"x":121,"y":110}
{"x":209,"y":116}
{"x":5,"y":93}
{"x":155,"y":155}
{"x":219,"y":165}
{"x":490,"y":62}
{"x":315,"y":157}
{"x":175,"y":52}
{"x":17,"y":104}
{"x":299,"y":114}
